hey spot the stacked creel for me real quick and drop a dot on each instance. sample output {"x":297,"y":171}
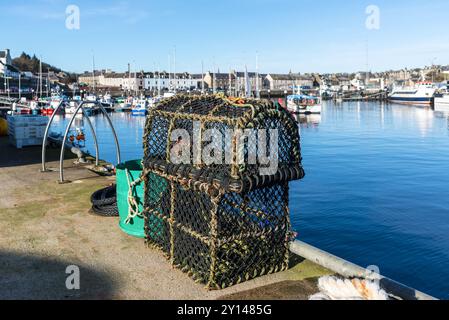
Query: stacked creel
{"x":222,"y":223}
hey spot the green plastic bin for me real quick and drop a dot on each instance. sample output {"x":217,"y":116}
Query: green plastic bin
{"x":135,"y":227}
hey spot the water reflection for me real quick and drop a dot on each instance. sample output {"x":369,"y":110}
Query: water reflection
{"x":308,"y":121}
{"x":442,"y":115}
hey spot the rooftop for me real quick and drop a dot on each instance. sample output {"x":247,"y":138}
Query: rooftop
{"x":290,"y":76}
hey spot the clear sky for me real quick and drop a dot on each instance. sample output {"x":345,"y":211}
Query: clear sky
{"x":298,"y":35}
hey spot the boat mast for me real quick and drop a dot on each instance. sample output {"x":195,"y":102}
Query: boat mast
{"x":48,"y":78}
{"x":169,"y":72}
{"x":20,"y":86}
{"x":202,"y":77}
{"x":40,"y":77}
{"x":230,"y":82}
{"x":136,"y":87}
{"x":159,"y":83}
{"x":214,"y":79}
{"x":93,"y":73}
{"x":236,"y":82}
{"x":129,"y":78}
{"x":174,"y":68}
{"x":257,"y":76}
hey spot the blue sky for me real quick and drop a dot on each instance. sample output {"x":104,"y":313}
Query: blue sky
{"x":298,"y":35}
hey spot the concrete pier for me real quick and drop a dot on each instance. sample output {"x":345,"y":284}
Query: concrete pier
{"x":47,"y":227}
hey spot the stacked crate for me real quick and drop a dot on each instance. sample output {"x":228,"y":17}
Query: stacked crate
{"x":24,"y":130}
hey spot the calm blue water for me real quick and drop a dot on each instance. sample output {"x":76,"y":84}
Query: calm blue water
{"x":376,"y":190}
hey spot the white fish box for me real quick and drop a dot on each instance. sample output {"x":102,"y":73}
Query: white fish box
{"x":24,"y":130}
{"x":20,"y":143}
{"x":27,"y":121}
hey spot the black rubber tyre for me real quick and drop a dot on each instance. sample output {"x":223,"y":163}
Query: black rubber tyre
{"x":104,"y":197}
{"x":106,"y":211}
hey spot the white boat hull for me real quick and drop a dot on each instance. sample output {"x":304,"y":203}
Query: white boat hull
{"x":442,"y":104}
{"x":311,"y":110}
{"x":294,"y":108}
{"x":70,"y":110}
{"x":420,"y":102}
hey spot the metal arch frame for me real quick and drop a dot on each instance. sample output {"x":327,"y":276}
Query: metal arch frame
{"x":47,"y":129}
{"x":61,"y":161}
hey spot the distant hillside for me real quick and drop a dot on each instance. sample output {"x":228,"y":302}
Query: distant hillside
{"x":27,"y":63}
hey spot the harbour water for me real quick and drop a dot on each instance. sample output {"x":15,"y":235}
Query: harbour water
{"x":376,"y":190}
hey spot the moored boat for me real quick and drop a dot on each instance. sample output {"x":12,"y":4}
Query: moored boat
{"x":303,"y":104}
{"x":442,"y":103}
{"x":139,"y":107}
{"x":107,"y":102}
{"x":421,"y":94}
{"x":124,"y":105}
{"x":71,"y":107}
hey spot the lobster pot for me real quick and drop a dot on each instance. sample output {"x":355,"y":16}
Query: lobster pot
{"x":216,"y":177}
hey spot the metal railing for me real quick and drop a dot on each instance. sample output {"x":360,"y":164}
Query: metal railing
{"x":67,"y":131}
{"x":350,"y":270}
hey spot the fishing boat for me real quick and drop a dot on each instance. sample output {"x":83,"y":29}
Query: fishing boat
{"x":91,"y":98}
{"x":71,"y":107}
{"x":139,"y":107}
{"x":303,"y":104}
{"x":107,"y":102}
{"x":124,"y":105}
{"x":442,"y":102}
{"x":421,"y":94}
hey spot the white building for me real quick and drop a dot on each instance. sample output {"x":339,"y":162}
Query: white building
{"x":133,"y":82}
{"x":112,"y":80}
{"x":185,"y":81}
{"x":6,"y":67}
{"x":288,"y":81}
{"x":140,"y":81}
{"x":157,"y":81}
{"x":90,"y":79}
{"x":5,"y":59}
{"x":164,"y":81}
